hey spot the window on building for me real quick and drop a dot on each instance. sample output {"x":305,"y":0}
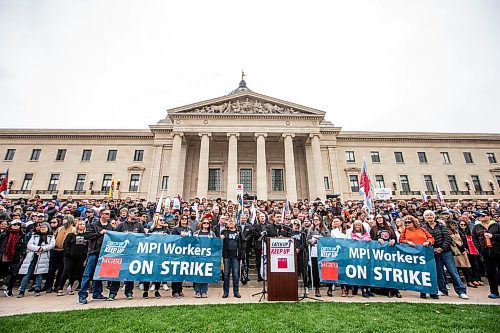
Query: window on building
{"x":349,"y":155}
{"x":498,"y":180}
{"x":429,"y":184}
{"x":422,"y":157}
{"x":452,"y":180}
{"x":477,"y":183}
{"x":379,"y":181}
{"x":112,"y":155}
{"x":54,"y":180}
{"x":491,"y":157}
{"x":134,"y":183}
{"x":87,"y":153}
{"x":138,"y":155}
{"x":80,"y":182}
{"x":246,"y":179}
{"x":375,"y":156}
{"x":28,"y":180}
{"x":468,"y":157}
{"x":399,"y":157}
{"x":327,"y":183}
{"x":354,"y":183}
{"x":9,"y":155}
{"x":106,"y":182}
{"x":277,"y":181}
{"x":405,"y":183}
{"x":35,"y":154}
{"x":61,"y":154}
{"x":446,"y":157}
{"x":214,"y":180}
{"x":164,"y":183}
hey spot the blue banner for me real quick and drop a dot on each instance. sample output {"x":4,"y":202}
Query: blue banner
{"x":155,"y":257}
{"x":400,"y":266}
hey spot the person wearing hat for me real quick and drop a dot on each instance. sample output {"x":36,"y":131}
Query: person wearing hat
{"x":12,"y":248}
{"x":133,"y":225}
{"x":37,"y":258}
{"x":486,"y":238}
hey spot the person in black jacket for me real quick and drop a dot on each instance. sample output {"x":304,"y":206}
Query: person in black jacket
{"x":183,"y":230}
{"x":443,"y":257}
{"x":232,"y":248}
{"x":133,"y":225}
{"x":12,"y":250}
{"x":277,"y":228}
{"x":246,"y":231}
{"x":259,"y":231}
{"x":75,"y":252}
{"x":486,"y":237}
{"x":94,"y":235}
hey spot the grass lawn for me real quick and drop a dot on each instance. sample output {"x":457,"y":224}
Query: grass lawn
{"x":270,"y":317}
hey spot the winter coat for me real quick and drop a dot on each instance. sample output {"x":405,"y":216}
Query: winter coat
{"x":42,"y":265}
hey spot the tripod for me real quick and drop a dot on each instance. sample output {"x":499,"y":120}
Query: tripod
{"x":306,"y":264}
{"x":263,"y":292}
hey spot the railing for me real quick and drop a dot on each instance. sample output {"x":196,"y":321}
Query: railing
{"x":19,"y":191}
{"x":74,"y":192}
{"x":409,"y":193}
{"x":484,"y":192}
{"x":435,"y":192}
{"x":94,"y":192}
{"x":46,"y":191}
{"x":460,"y":192}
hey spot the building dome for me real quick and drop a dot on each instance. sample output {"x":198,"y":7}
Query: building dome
{"x":241,"y":87}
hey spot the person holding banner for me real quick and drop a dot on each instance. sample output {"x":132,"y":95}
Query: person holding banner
{"x":201,"y":289}
{"x":94,"y":234}
{"x":183,"y":230}
{"x":316,"y":231}
{"x":359,"y":233}
{"x":339,"y":230}
{"x":444,"y":257}
{"x":232,"y":245}
{"x":131,"y":225}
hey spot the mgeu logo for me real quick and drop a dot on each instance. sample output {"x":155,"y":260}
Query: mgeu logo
{"x":330,"y":252}
{"x":116,"y":247}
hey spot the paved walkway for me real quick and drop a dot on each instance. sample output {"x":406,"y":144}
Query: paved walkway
{"x":54,"y":303}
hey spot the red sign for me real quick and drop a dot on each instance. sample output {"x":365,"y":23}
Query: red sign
{"x":110,"y":267}
{"x":329,"y":270}
{"x":283,"y":263}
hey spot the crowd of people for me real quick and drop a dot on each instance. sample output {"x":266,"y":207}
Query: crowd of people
{"x":56,"y":243}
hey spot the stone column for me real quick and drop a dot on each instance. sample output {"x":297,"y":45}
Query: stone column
{"x":232,"y":166}
{"x":202,"y":190}
{"x":175,"y":160}
{"x":261,"y":166}
{"x":155,"y":172}
{"x":291,"y":182}
{"x":318,"y":167}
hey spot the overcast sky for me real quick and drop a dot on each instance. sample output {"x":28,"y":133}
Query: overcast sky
{"x":371,"y":65}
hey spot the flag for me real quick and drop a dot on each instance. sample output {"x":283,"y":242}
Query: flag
{"x":180,"y":198}
{"x":424,"y":197}
{"x":158,"y":205}
{"x":239,"y":198}
{"x":439,"y":195}
{"x":253,"y":212}
{"x":286,"y":211}
{"x":4,"y":185}
{"x":365,"y":186}
{"x":263,"y":261}
{"x":111,"y":188}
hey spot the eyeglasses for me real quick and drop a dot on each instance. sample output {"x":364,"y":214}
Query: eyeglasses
{"x":408,"y":222}
{"x":105,"y":213}
{"x":161,"y":220}
{"x":184,"y":218}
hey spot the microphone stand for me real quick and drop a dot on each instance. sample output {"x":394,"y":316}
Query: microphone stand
{"x":306,"y":294}
{"x":263,"y":292}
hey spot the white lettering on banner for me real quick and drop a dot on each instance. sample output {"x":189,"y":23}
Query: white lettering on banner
{"x":358,"y":253}
{"x":187,"y":268}
{"x":116,"y":247}
{"x":145,"y":267}
{"x":358,"y":271}
{"x":398,"y":275}
{"x":330,"y":252}
{"x":171,"y":248}
{"x":380,"y":254}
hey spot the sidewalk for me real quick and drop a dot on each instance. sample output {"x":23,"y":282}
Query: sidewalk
{"x":54,"y":303}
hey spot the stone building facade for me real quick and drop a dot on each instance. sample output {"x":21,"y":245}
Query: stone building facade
{"x":275,"y":148}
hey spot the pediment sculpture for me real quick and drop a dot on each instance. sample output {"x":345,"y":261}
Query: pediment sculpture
{"x":247,"y":106}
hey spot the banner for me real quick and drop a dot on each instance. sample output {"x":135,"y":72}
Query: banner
{"x":400,"y":266}
{"x":282,"y":255}
{"x":155,"y":257}
{"x":383,"y":193}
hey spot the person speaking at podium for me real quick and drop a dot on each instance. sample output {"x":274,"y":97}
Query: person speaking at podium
{"x":277,"y":228}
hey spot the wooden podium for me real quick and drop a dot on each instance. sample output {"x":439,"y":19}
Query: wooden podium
{"x":282,"y":281}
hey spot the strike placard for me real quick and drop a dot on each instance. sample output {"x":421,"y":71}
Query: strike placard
{"x":282,"y":255}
